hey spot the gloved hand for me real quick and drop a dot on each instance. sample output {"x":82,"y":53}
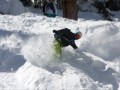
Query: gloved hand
{"x":54,"y":31}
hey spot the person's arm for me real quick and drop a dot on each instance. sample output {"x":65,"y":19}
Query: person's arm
{"x":73,"y":45}
{"x":64,"y":31}
{"x":59,"y":32}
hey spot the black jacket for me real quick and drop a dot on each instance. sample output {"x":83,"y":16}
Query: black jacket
{"x":65,"y":37}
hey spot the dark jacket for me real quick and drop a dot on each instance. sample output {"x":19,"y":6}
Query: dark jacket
{"x":65,"y":37}
{"x":48,"y":5}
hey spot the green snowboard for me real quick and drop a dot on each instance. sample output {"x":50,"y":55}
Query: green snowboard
{"x":57,"y":49}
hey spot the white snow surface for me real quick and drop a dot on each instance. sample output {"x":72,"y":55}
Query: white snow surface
{"x":26,"y":53}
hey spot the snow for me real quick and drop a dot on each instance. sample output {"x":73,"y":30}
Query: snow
{"x":26,"y":53}
{"x":8,"y":82}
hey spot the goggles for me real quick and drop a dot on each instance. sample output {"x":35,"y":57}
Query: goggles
{"x":77,"y":36}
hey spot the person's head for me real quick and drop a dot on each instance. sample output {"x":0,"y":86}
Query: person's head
{"x":78,"y":35}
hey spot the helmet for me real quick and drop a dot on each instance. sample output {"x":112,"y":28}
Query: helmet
{"x":78,"y":35}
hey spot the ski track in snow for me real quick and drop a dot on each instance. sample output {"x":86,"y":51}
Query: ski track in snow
{"x":22,"y":37}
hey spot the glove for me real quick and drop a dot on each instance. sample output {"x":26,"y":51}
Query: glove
{"x":54,"y":31}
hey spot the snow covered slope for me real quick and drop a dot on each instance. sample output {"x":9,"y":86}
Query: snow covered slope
{"x":26,"y":47}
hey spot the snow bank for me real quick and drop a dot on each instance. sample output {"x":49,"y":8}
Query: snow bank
{"x":13,"y":7}
{"x":38,"y":78}
{"x":102,"y":39}
{"x":10,"y":59}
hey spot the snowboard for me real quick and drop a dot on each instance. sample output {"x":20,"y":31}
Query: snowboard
{"x":50,"y":15}
{"x":57,"y":50}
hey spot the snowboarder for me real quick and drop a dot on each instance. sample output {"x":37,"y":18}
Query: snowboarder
{"x":64,"y":38}
{"x":49,"y":8}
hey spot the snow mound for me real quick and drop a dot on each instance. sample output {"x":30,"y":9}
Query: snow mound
{"x":43,"y":79}
{"x":102,"y":39}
